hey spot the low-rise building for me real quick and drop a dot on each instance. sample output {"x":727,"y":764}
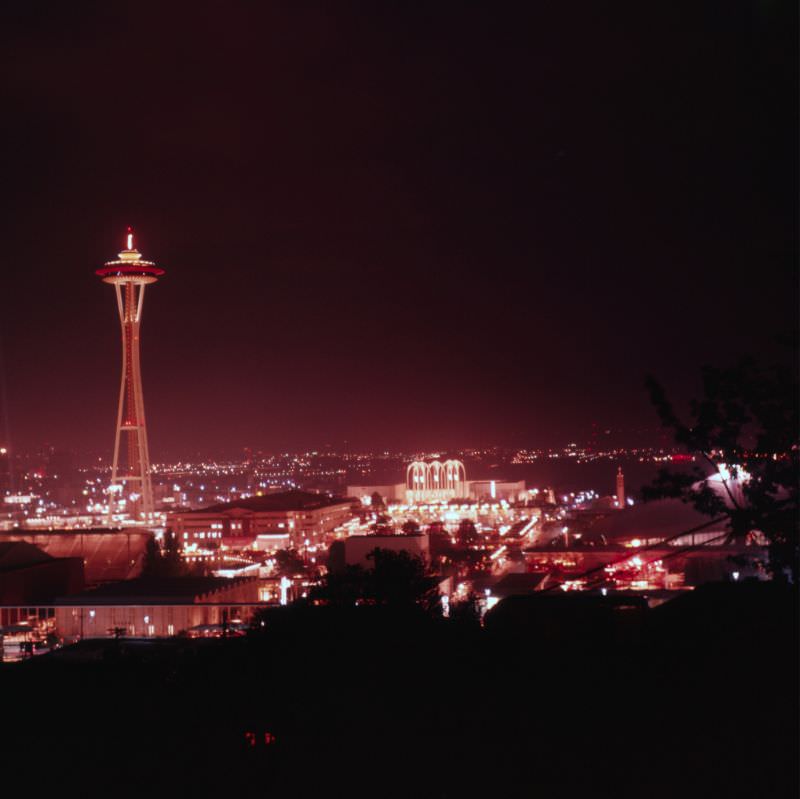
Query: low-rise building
{"x":107,"y":554}
{"x":156,"y":607}
{"x":492,"y":490}
{"x":664,"y":543}
{"x":30,"y":579}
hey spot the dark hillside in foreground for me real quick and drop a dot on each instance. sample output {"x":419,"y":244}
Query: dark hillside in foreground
{"x":701,"y":700}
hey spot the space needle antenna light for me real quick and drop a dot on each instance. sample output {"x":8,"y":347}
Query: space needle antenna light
{"x":131,"y":486}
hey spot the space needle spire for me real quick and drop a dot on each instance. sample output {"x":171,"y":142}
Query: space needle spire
{"x":130,"y":480}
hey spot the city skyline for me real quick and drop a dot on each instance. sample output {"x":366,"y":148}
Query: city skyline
{"x":438,"y":251}
{"x":601,"y":442}
{"x":471,"y":399}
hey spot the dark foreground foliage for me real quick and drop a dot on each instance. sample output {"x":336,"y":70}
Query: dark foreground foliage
{"x":745,"y":426}
{"x":695,"y":698}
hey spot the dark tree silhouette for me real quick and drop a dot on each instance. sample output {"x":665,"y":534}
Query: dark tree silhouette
{"x":467,"y":612}
{"x":377,"y":503}
{"x":410,"y":527}
{"x":342,"y":587}
{"x":382,"y":525}
{"x":172,"y":557}
{"x":396,"y":579}
{"x":467,"y":534}
{"x":289,"y":562}
{"x":445,"y":553}
{"x":400,"y":579}
{"x":743,"y":429}
{"x":165,"y":561}
{"x":439,"y":543}
{"x":151,"y":564}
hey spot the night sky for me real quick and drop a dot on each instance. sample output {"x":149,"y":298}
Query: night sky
{"x":397,"y":224}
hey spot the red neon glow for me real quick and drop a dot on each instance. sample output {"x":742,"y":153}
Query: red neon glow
{"x":252,"y":740}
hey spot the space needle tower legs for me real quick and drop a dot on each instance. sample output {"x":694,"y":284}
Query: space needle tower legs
{"x":130,"y":481}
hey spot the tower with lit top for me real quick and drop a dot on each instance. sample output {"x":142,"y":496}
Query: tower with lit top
{"x":129,"y":275}
{"x":620,"y":488}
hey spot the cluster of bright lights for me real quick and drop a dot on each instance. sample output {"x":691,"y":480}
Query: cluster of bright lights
{"x":588,"y":454}
{"x":637,"y":574}
{"x":435,"y":480}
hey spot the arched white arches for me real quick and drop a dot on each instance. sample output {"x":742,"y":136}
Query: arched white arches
{"x":435,"y":481}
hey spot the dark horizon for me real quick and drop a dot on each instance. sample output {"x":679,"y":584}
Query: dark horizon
{"x":404,"y":228}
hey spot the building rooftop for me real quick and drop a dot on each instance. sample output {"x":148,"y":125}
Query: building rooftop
{"x":518,"y":583}
{"x":284,"y":501}
{"x":19,"y":554}
{"x":152,"y":591}
{"x":107,"y":553}
{"x":661,"y":518}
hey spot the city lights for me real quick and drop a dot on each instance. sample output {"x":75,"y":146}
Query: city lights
{"x":470,"y":460}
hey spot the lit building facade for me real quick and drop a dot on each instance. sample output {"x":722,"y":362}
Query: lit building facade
{"x":492,"y":490}
{"x":287,"y":519}
{"x":387,"y":491}
{"x":435,"y":481}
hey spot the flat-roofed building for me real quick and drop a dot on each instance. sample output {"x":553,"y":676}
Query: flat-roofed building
{"x":289,"y":519}
{"x":649,"y":523}
{"x":389,"y":492}
{"x":492,"y":490}
{"x":154,"y":607}
{"x":29,"y":581}
{"x":107,"y":554}
{"x":29,"y":575}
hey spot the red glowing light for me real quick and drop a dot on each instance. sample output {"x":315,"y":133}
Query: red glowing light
{"x":252,"y":739}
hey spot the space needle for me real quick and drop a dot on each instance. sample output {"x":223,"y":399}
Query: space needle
{"x":129,"y":275}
